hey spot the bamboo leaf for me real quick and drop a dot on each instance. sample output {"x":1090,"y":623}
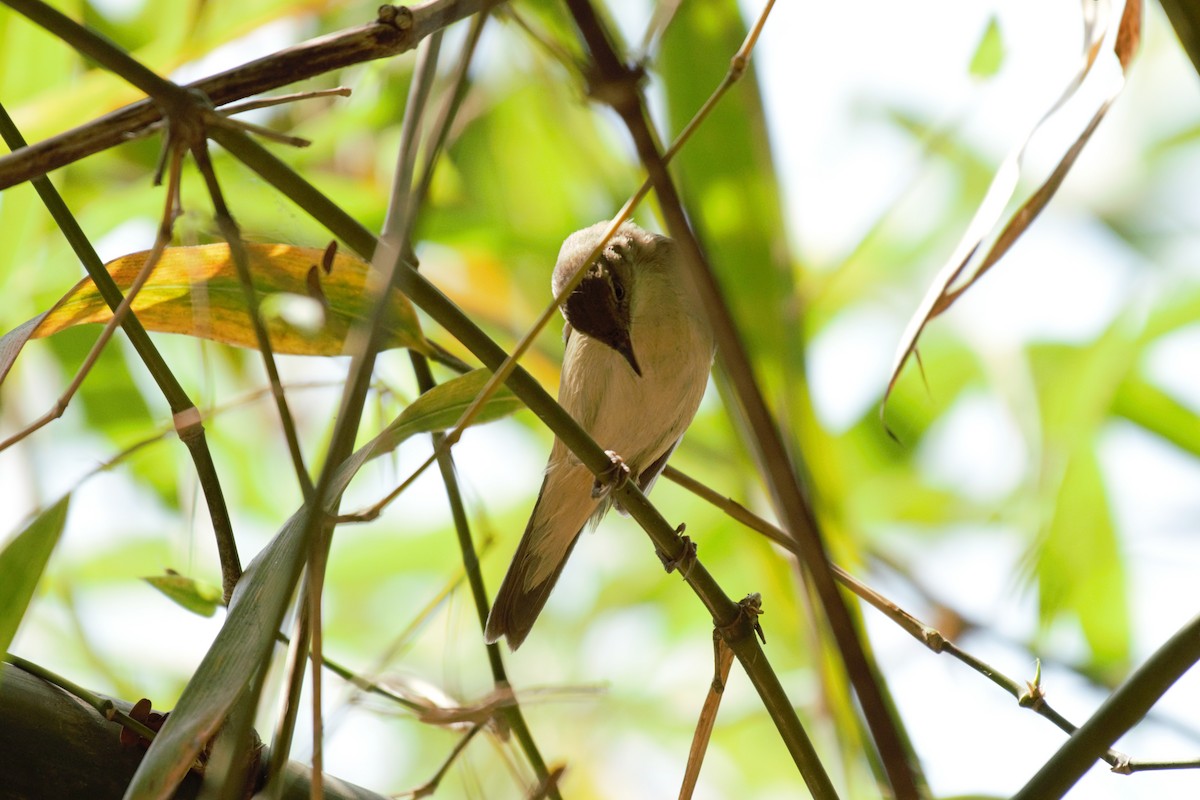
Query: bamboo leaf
{"x":244,"y":642}
{"x":1144,"y":404}
{"x":241,"y":648}
{"x":22,"y":562}
{"x":1077,"y":559}
{"x":438,"y":409}
{"x":196,"y":596}
{"x":441,"y":408}
{"x":974,"y":257}
{"x":195,"y":291}
{"x":1080,"y":567}
{"x":989,"y":53}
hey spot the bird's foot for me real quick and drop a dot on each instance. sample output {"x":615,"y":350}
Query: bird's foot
{"x":686,"y":558}
{"x":613,"y":478}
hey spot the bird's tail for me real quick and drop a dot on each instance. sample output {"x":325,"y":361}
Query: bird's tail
{"x":562,"y":509}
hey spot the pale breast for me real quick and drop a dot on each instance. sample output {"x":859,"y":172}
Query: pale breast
{"x":639,"y":418}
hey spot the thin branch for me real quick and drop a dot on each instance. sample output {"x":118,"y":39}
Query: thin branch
{"x":1120,"y":712}
{"x":620,"y":90}
{"x":430,"y":787}
{"x":396,"y":30}
{"x":277,"y":100}
{"x":723,"y":661}
{"x":1028,"y":695}
{"x":237,"y":248}
{"x":427,"y":297}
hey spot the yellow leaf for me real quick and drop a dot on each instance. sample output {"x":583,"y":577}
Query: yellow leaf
{"x":195,"y":291}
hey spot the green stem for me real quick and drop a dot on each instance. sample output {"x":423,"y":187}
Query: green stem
{"x":426,"y":296}
{"x":400,"y":222}
{"x":1120,"y":712}
{"x":622,"y":93}
{"x":104,"y":707}
{"x":99,"y":48}
{"x":181,"y":406}
{"x":237,"y":249}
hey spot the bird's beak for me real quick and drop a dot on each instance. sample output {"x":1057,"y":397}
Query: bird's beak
{"x":625,"y":348}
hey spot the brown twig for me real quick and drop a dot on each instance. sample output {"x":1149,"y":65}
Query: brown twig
{"x":723,"y":660}
{"x":395,"y":30}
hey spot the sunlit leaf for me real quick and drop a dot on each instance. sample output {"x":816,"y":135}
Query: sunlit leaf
{"x":1077,"y":559}
{"x":1080,"y":567}
{"x":22,"y":562}
{"x":438,"y":409}
{"x":196,"y":596}
{"x":238,"y":652}
{"x":1144,"y":404}
{"x":442,"y":406}
{"x":195,"y":291}
{"x":989,"y":53}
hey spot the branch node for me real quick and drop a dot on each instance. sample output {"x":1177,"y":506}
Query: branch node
{"x":685,"y":560}
{"x":621,"y":90}
{"x":188,"y":424}
{"x":746,"y":621}
{"x":398,"y":17}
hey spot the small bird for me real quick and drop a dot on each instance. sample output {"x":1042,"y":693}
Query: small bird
{"x":638,"y":353}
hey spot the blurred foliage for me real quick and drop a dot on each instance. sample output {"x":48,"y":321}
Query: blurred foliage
{"x":624,"y":656}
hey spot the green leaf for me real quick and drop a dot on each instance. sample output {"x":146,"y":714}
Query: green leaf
{"x":1144,"y":404}
{"x":729,"y":182}
{"x":442,"y":407}
{"x":989,"y":53}
{"x":196,"y":596}
{"x":1080,"y":567}
{"x":436,"y":410}
{"x":241,"y":648}
{"x":1077,"y":559}
{"x":244,"y":642}
{"x":195,"y":291}
{"x":21,"y":565}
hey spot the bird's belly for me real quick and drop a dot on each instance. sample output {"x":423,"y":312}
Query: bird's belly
{"x":638,"y":418}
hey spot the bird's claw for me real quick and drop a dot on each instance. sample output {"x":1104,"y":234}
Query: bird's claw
{"x":613,"y":478}
{"x":686,"y":558}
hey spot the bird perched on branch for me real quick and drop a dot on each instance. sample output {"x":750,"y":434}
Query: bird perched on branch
{"x":638,"y":353}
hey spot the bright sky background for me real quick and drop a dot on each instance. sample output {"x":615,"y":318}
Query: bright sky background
{"x":826,"y":69}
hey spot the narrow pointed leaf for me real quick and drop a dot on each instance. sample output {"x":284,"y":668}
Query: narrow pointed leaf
{"x":1080,"y":565}
{"x":442,"y":407}
{"x":245,"y":641}
{"x":242,"y":647}
{"x":989,"y":53}
{"x":971,"y":259}
{"x":1144,"y":404}
{"x":439,"y":409}
{"x":22,"y":562}
{"x":197,"y":597}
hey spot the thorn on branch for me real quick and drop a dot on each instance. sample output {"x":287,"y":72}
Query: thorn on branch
{"x":1034,"y":695}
